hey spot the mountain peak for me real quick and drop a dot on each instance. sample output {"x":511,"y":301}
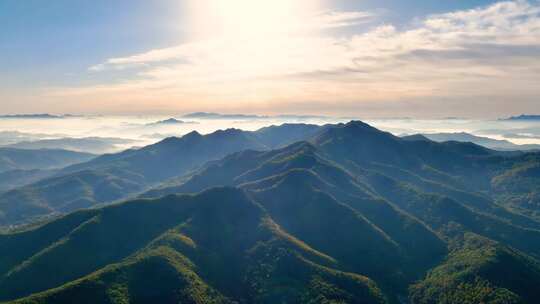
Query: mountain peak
{"x":416,"y":137}
{"x":170,"y":121}
{"x":192,"y":134}
{"x":524,"y":117}
{"x":188,"y":137}
{"x":229,"y":131}
{"x":357,"y":124}
{"x":355,"y":129}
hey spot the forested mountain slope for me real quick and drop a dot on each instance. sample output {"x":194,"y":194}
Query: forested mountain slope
{"x":113,"y":177}
{"x":352,"y":215}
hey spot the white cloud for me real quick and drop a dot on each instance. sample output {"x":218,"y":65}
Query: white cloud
{"x":487,"y":51}
{"x":341,"y":19}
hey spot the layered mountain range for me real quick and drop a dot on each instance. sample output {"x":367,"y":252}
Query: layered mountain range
{"x":24,"y":166}
{"x":495,"y":144}
{"x":340,"y":213}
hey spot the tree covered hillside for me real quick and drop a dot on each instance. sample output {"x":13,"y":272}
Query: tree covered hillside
{"x":350,"y":215}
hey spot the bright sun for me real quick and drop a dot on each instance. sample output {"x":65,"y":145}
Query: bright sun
{"x":246,"y":18}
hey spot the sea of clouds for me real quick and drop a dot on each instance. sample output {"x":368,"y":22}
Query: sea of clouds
{"x":123,"y":132}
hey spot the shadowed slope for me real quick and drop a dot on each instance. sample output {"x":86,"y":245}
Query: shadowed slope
{"x":112,"y":177}
{"x":117,"y":176}
{"x":24,"y":159}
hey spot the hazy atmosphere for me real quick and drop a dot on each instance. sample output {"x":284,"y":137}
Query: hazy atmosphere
{"x":269,"y":152}
{"x":421,"y":59}
{"x":122,"y":132}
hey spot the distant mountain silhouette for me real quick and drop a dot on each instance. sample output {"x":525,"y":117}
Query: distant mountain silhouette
{"x":13,"y":137}
{"x":279,"y":136}
{"x":31,"y":116}
{"x":524,"y":117}
{"x":206,"y":115}
{"x":495,"y":144}
{"x":416,"y":137}
{"x":113,"y":177}
{"x":170,"y":121}
{"x":95,"y":145}
{"x":25,"y":159}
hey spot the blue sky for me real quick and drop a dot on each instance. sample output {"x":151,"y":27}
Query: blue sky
{"x":60,"y":37}
{"x":49,"y":51}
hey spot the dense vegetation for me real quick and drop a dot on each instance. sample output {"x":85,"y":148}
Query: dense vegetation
{"x":350,"y":215}
{"x":216,"y":247}
{"x":480,"y":271}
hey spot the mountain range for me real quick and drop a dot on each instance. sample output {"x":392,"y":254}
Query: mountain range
{"x":170,"y":121}
{"x":524,"y":117}
{"x":112,"y":177}
{"x":339,"y":213}
{"x":25,"y":159}
{"x":211,"y":115}
{"x":495,"y":144}
{"x":33,"y":116}
{"x":23,"y":166}
{"x":94,"y":145}
{"x":207,"y":115}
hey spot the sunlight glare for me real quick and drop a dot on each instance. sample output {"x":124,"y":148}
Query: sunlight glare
{"x":247,"y":18}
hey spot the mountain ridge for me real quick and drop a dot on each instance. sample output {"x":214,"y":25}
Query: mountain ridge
{"x":132,"y":171}
{"x":495,"y":144}
{"x":28,"y":159}
{"x":350,"y":214}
